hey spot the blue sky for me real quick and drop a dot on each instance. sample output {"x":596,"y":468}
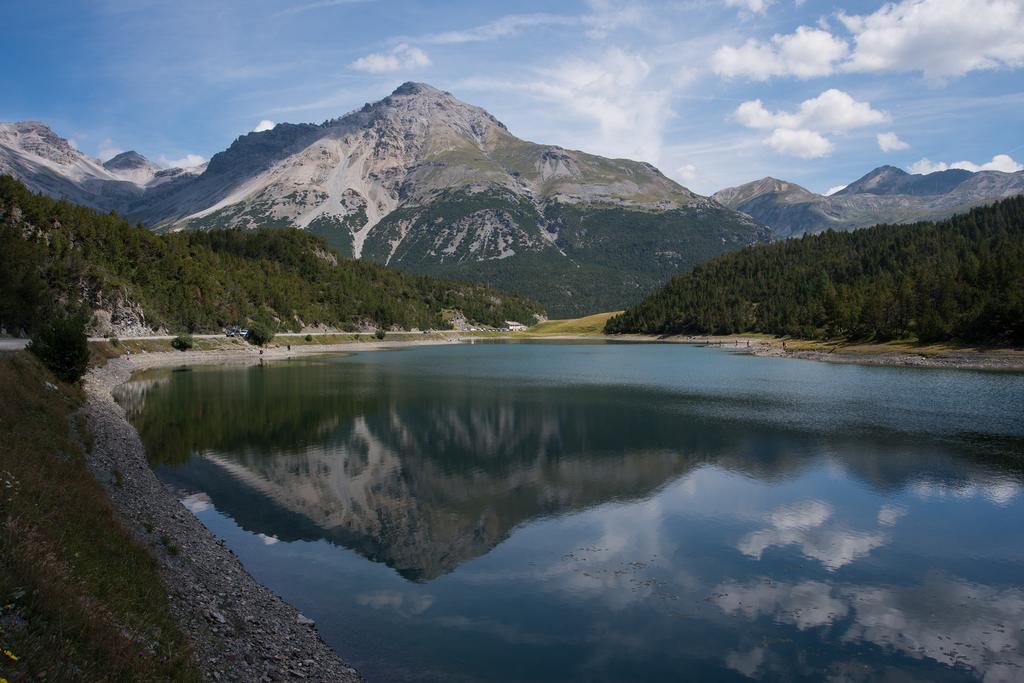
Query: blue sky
{"x":714,"y":93}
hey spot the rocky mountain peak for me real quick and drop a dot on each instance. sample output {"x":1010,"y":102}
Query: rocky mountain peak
{"x":877,"y":179}
{"x":420,"y":109}
{"x":414,"y":88}
{"x":889,"y":180}
{"x":732,"y":197}
{"x":38,"y":139}
{"x":129,"y":161}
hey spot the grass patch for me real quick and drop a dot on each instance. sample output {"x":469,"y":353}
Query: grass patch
{"x":167,"y":543}
{"x":587,"y":325}
{"x":81,"y":599}
{"x":101,"y":352}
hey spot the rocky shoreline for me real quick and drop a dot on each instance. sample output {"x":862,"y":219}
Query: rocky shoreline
{"x":1007,"y":361}
{"x":952,"y":360}
{"x":239,"y":630}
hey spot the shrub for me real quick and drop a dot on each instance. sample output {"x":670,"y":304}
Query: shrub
{"x":63,"y":346}
{"x":379,"y":334}
{"x":309,"y":337}
{"x":183,"y":342}
{"x":259,"y":334}
{"x":115,"y":342}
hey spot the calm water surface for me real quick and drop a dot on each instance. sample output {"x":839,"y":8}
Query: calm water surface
{"x":612,"y":512}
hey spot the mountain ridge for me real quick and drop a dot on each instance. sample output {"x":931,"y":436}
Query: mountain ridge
{"x":886,"y":194}
{"x":426,"y":183}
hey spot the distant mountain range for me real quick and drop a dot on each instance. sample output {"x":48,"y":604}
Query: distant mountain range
{"x":885,"y":195}
{"x":425,"y":183}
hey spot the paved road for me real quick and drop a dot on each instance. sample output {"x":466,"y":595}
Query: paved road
{"x":276,"y":334}
{"x":10,"y":344}
{"x":15,"y":344}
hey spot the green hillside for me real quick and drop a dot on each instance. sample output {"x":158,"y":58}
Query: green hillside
{"x":592,"y":257}
{"x":958,"y":279}
{"x":56,"y":254}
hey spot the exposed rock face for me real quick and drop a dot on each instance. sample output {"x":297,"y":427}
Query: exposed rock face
{"x":45,"y":162}
{"x":885,"y":195}
{"x":116,"y":315}
{"x":400,"y":151}
{"x":133,"y":167}
{"x":430,"y":184}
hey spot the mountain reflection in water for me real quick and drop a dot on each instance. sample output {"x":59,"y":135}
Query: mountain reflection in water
{"x":426,"y":459}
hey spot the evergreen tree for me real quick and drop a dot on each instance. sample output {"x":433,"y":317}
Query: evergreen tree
{"x":959,"y":279}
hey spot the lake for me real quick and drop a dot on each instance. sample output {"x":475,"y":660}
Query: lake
{"x":614,"y":512}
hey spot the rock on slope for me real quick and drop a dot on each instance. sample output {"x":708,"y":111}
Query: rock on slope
{"x":426,"y":183}
{"x":885,"y":195}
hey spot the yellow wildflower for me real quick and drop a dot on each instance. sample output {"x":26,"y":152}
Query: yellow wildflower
{"x":11,"y":656}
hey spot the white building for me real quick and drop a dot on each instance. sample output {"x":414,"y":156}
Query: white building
{"x":513,"y":326}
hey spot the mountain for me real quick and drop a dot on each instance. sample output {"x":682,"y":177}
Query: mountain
{"x":45,"y":162}
{"x":960,"y":279}
{"x":885,"y":195}
{"x":428,"y":184}
{"x":133,"y":167}
{"x":889,"y":180}
{"x":60,"y":255}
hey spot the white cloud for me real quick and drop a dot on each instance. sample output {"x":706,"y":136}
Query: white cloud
{"x":609,"y":15}
{"x":999,"y":491}
{"x":889,"y":514}
{"x":108,"y":150}
{"x":806,"y":53}
{"x":805,"y":144}
{"x":197,"y":502}
{"x":265,"y":124}
{"x":402,"y":56}
{"x":615,"y":93}
{"x":605,"y":16}
{"x":755,"y":6}
{"x":187,"y":161}
{"x":832,"y":111}
{"x":1000,"y":162}
{"x":832,"y":190}
{"x":890,"y":142}
{"x":686,"y":173}
{"x":809,"y":604}
{"x":747,"y":663}
{"x":800,"y":133}
{"x":499,"y":28}
{"x":321,"y":4}
{"x":946,"y":619}
{"x":804,"y":525}
{"x":940,"y":38}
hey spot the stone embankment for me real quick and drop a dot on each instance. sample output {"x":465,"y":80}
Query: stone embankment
{"x":240,"y":630}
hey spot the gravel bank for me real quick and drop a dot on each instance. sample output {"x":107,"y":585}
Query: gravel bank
{"x":240,"y":630}
{"x":1007,"y":361}
{"x":952,"y":360}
